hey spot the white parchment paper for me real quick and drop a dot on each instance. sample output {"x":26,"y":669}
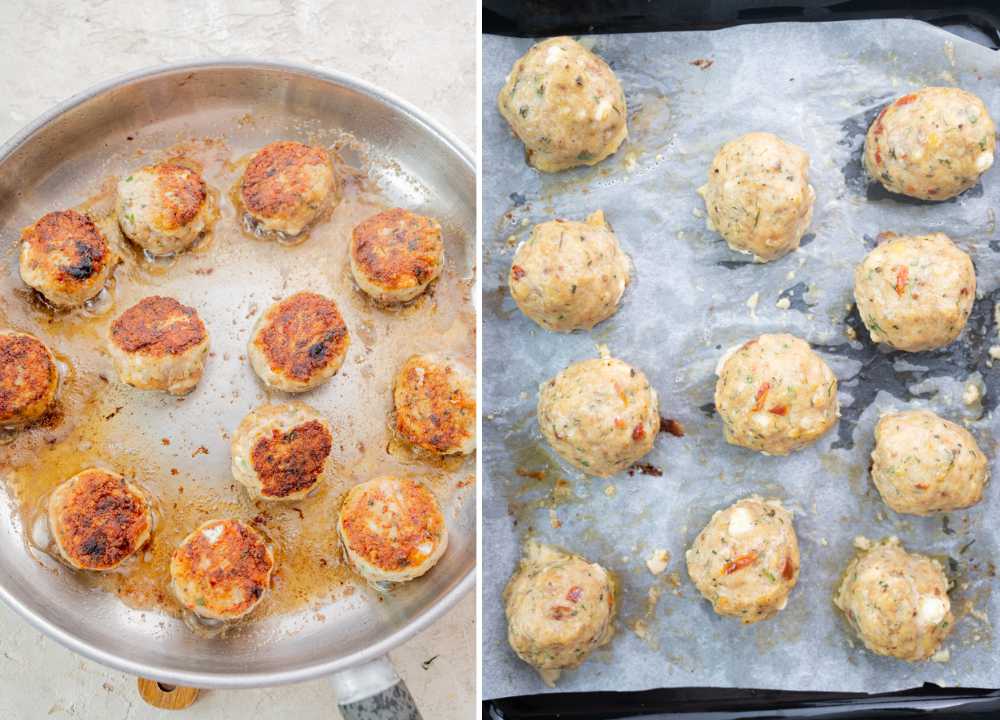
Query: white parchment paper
{"x":817,"y":85}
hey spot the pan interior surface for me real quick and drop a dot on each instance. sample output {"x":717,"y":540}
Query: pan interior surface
{"x":238,"y":107}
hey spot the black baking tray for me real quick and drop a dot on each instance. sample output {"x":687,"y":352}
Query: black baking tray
{"x":976,"y":21}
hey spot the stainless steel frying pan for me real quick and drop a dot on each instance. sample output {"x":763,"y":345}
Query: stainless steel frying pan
{"x":54,"y":163}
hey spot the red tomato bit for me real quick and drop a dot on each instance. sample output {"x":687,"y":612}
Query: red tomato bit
{"x":761,"y":396}
{"x":902,"y":276}
{"x":739,"y":563}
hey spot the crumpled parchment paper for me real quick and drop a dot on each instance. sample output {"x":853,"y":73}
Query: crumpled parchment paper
{"x":819,"y":86}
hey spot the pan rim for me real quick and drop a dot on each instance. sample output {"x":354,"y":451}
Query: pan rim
{"x":419,"y":622}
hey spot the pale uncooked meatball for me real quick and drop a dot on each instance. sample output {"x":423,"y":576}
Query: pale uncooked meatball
{"x":159,"y":344}
{"x":396,"y":254}
{"x":29,"y":378}
{"x":896,"y":601}
{"x":775,"y":395}
{"x":434,"y":398}
{"x":299,"y":342}
{"x":915,"y":293}
{"x":286,"y":186}
{"x":924,"y":464}
{"x":222,"y":570}
{"x":560,"y":608}
{"x":99,"y":519}
{"x":392,"y":529}
{"x":746,"y":560}
{"x":164,"y":208}
{"x":66,"y":258}
{"x":931,"y":144}
{"x":565,"y":104}
{"x":569,"y":275}
{"x":279,"y":451}
{"x":758,"y":195}
{"x":600,"y":415}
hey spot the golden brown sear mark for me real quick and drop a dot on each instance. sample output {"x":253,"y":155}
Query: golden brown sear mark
{"x":222,"y":569}
{"x":183,"y":192}
{"x":28,"y":378}
{"x":158,"y":326}
{"x":302,"y":335}
{"x":289,"y":462}
{"x":433,"y":411}
{"x":397,"y":249}
{"x":98,"y":519}
{"x":386,"y":539}
{"x":275,"y":181}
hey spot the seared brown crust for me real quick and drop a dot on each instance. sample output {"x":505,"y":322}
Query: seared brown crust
{"x":262,"y":194}
{"x":183,"y":192}
{"x":432,"y":411}
{"x":27,"y":375}
{"x":397,"y":249}
{"x":99,"y":519}
{"x":422,"y":522}
{"x":158,"y":326}
{"x":69,"y":244}
{"x":238,"y":561}
{"x":301,"y":335}
{"x":289,"y":462}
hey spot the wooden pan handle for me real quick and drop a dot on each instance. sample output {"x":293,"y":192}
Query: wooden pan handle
{"x":166,"y":697}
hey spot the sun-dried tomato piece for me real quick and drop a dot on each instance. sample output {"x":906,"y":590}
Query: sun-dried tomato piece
{"x":761,"y":396}
{"x":788,"y":569}
{"x":902,"y":277}
{"x":739,"y":563}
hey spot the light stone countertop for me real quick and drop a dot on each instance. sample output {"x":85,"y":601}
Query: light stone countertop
{"x":420,"y":50}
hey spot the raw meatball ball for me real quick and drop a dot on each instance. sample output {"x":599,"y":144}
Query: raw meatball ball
{"x":896,"y":601}
{"x":915,"y":293}
{"x":923,"y":464}
{"x":746,"y":560}
{"x":29,"y":378}
{"x":565,"y":104}
{"x":600,"y":415}
{"x":222,"y":570}
{"x":931,"y":144}
{"x":435,"y":401}
{"x":159,"y":344}
{"x":392,"y":529}
{"x":299,"y":342}
{"x":285,"y":187}
{"x":279,"y":451}
{"x":98,"y":519}
{"x":559,"y":609}
{"x":66,"y":258}
{"x":396,"y":254}
{"x":569,"y":275}
{"x":775,"y":395}
{"x":164,"y":208}
{"x":758,"y":195}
